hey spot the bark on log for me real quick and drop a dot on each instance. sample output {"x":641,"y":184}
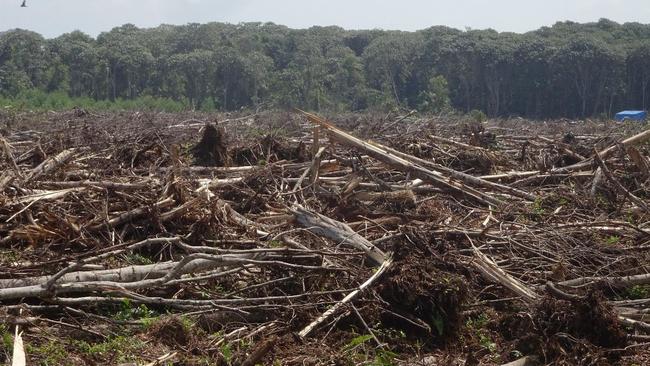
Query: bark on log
{"x":403,"y":164}
{"x":51,"y":164}
{"x":337,"y":231}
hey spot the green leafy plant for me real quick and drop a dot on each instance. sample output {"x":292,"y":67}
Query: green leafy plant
{"x":384,"y":358}
{"x":357,"y":341}
{"x":129,"y":312}
{"x":477,"y":115}
{"x":638,"y":292}
{"x":137,"y":259}
{"x":227,"y":352}
{"x":7,"y":338}
{"x":612,"y":240}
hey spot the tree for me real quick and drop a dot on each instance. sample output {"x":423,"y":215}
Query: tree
{"x":435,"y":98}
{"x":390,"y":65}
{"x":638,"y":71}
{"x":196,"y":72}
{"x":78,"y":52}
{"x":24,"y":61}
{"x":129,"y":61}
{"x":587,"y":67}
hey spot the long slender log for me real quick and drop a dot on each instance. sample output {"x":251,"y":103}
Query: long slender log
{"x":625,"y":281}
{"x":437,"y":169}
{"x":630,"y":141}
{"x":326,"y":315}
{"x":464,"y":177}
{"x":100,"y":184}
{"x":21,"y":287}
{"x":135,"y":277}
{"x":457,"y":143}
{"x":402,"y":164}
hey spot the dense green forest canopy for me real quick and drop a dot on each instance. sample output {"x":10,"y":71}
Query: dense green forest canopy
{"x":569,"y":69}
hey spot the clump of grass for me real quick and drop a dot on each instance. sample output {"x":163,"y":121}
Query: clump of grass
{"x":119,"y":349}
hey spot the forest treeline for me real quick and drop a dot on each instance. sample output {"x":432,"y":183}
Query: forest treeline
{"x":567,"y":70}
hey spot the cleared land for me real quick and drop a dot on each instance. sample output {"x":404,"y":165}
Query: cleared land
{"x":285,"y":239}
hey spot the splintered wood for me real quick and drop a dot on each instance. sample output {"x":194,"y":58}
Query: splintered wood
{"x":317,"y":228}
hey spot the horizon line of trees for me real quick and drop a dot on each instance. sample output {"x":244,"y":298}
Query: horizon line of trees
{"x":567,"y":70}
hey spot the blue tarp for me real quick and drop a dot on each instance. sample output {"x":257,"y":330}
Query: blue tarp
{"x":633,"y":115}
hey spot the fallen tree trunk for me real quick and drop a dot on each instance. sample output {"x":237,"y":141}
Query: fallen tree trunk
{"x":463,"y":177}
{"x":51,"y":164}
{"x":403,"y":164}
{"x":337,"y":231}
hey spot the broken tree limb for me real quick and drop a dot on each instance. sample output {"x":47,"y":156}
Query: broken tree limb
{"x":10,"y":157}
{"x":337,"y":231}
{"x":639,"y":161}
{"x":327,"y":314}
{"x":630,"y":141}
{"x":51,"y":164}
{"x":315,"y":165}
{"x":260,"y":351}
{"x":606,"y":153}
{"x":457,"y":143}
{"x":132,"y":215}
{"x":636,"y":200}
{"x":313,"y":169}
{"x":492,"y":272}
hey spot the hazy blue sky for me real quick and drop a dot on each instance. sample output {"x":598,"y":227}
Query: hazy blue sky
{"x":54,"y":17}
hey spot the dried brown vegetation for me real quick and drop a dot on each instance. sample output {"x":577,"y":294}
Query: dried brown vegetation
{"x":196,"y":239}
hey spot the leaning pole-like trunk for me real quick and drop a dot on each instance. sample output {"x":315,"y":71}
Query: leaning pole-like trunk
{"x":400,"y":163}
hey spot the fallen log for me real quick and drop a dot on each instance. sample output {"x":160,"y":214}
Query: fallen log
{"x":337,"y":231}
{"x":326,"y":315}
{"x":402,"y":164}
{"x":103,"y":184}
{"x":457,"y":144}
{"x":134,"y":277}
{"x":132,"y":215}
{"x":463,"y":177}
{"x":51,"y":164}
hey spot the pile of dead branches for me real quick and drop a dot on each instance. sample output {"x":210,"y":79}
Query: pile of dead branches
{"x":286,"y":239}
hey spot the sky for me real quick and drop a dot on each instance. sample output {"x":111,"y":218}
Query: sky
{"x":55,"y":17}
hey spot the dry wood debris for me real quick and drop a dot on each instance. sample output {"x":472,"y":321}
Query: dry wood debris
{"x":251,"y":248}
